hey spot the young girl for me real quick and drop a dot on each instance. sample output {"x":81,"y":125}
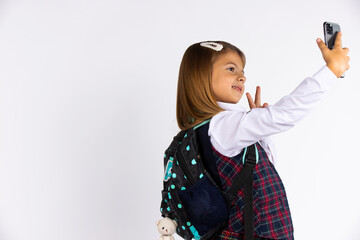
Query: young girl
{"x":211,"y":83}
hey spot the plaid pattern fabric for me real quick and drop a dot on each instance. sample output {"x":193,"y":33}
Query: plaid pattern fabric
{"x":227,"y":235}
{"x":272,"y":218}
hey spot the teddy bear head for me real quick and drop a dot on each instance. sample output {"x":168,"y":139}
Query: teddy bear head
{"x":166,"y":226}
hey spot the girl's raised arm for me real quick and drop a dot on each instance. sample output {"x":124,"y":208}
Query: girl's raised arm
{"x":232,"y":130}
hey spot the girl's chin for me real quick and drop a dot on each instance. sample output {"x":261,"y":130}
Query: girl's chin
{"x":235,"y":101}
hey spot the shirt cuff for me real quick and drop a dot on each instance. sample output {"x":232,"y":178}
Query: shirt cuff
{"x":325,"y":77}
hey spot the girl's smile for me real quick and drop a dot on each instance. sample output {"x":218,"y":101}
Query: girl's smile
{"x":237,"y":88}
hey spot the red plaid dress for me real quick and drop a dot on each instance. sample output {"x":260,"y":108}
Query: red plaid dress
{"x":272,"y":218}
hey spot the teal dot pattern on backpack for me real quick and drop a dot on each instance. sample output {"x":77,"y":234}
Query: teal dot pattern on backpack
{"x":195,"y":233}
{"x":175,"y":177}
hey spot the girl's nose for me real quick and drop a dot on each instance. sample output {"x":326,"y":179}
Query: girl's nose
{"x":242,"y":79}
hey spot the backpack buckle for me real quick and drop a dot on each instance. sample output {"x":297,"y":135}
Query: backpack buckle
{"x":251,"y":155}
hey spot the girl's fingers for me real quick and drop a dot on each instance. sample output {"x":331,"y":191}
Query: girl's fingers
{"x":337,"y":43}
{"x":258,"y":97}
{"x":250,"y":100}
{"x":322,"y":46}
{"x":257,"y":103}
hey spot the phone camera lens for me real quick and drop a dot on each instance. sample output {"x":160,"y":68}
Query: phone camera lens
{"x":329,"y":29}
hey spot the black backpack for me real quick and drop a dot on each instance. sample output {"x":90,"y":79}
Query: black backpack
{"x":191,"y":196}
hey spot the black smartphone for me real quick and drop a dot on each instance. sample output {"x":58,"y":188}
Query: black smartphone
{"x":330,"y":31}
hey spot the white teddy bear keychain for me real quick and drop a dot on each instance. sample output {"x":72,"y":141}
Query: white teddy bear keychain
{"x":167,"y":228}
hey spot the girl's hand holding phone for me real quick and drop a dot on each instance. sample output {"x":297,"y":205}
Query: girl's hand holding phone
{"x":336,"y":59}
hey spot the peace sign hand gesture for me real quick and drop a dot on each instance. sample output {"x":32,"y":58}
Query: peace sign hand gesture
{"x":257,"y":103}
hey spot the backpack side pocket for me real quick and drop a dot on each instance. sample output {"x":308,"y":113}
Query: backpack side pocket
{"x":205,"y":205}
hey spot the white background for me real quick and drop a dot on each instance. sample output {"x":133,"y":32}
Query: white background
{"x":87,"y":109}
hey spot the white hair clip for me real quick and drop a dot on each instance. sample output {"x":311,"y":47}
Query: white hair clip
{"x":213,"y":45}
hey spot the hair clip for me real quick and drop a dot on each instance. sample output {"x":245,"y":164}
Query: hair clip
{"x":213,"y":45}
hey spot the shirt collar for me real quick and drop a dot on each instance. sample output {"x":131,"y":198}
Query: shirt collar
{"x":232,"y":107}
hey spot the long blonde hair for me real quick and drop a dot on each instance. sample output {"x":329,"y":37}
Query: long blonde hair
{"x":195,"y":99}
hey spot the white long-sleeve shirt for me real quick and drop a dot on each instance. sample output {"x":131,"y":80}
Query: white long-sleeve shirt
{"x":235,"y":128}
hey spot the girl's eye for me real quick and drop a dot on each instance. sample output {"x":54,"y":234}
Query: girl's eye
{"x":231,"y":69}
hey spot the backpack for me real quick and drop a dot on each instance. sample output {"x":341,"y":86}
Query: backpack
{"x":191,"y":197}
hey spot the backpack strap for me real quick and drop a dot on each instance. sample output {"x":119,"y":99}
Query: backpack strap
{"x":205,"y":149}
{"x":246,"y":177}
{"x":175,"y":143}
{"x":201,"y":124}
{"x":250,"y":163}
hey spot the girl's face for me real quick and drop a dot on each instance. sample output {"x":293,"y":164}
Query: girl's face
{"x":228,"y":79}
